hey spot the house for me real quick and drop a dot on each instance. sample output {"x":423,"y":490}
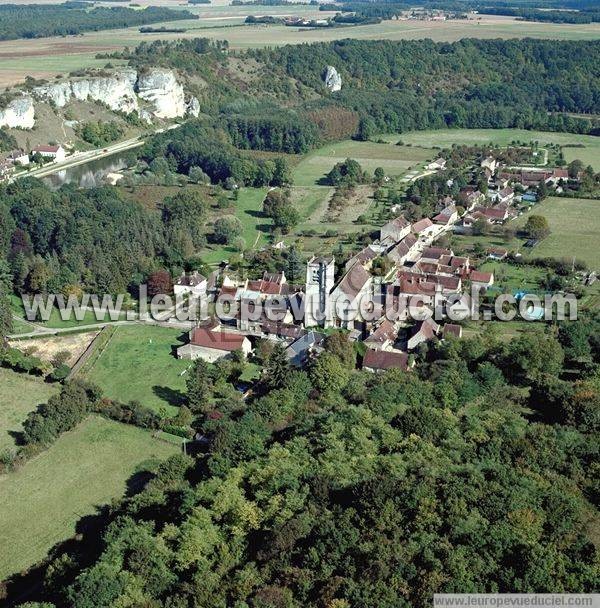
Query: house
{"x":424,"y":228}
{"x":439,"y":164}
{"x":193,"y":283}
{"x":469,"y":196}
{"x":382,"y":360}
{"x":504,"y":196}
{"x":497,"y":253}
{"x":18,"y":157}
{"x":346,"y":297}
{"x":447,"y":216}
{"x":422,"y":332}
{"x":6,"y":169}
{"x":452,"y":330}
{"x":490,"y":163}
{"x":405,"y":250}
{"x":482,"y":279}
{"x":306,"y":346}
{"x":395,"y":229}
{"x":433,"y":254}
{"x":383,"y":337}
{"x":364,"y":257}
{"x":56,"y":153}
{"x":212,"y":344}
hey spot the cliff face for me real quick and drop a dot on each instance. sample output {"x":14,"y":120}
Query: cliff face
{"x":19,"y":113}
{"x":332,"y":79}
{"x":161,"y":89}
{"x":155,"y":92}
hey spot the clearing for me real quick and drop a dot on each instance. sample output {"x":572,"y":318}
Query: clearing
{"x":138,"y":363}
{"x":41,"y":503}
{"x":583,"y":147}
{"x":575,"y":229}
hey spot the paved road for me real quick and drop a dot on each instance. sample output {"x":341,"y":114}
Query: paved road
{"x":80,"y":158}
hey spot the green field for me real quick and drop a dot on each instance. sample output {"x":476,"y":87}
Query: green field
{"x":248,"y":209}
{"x":575,"y":226}
{"x":590,"y":153}
{"x":41,"y":503}
{"x":46,"y":57}
{"x":395,"y":160}
{"x":138,"y":364}
{"x":511,"y":278}
{"x":19,"y":395}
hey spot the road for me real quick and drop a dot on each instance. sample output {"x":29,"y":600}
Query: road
{"x":80,"y":158}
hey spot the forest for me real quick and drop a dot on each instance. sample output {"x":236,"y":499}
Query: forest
{"x":42,"y":20}
{"x":335,"y":488}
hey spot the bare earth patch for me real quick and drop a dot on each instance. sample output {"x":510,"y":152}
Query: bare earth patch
{"x":47,"y":348}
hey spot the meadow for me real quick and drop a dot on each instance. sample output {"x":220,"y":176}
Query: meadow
{"x":19,"y":395}
{"x":46,"y":57}
{"x":134,"y":354}
{"x":41,"y":503}
{"x":575,"y":230}
{"x":583,"y":147}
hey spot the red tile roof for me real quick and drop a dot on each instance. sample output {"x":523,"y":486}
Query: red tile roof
{"x":480,"y":277}
{"x":422,"y":225}
{"x":218,"y":339}
{"x":382,"y":359}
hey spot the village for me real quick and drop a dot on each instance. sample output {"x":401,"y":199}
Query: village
{"x":17,"y":160}
{"x":405,"y":263}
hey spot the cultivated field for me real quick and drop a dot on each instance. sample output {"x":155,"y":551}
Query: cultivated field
{"x":41,"y":503}
{"x":19,"y":395}
{"x":46,"y":57}
{"x":136,"y":353}
{"x":575,"y":226}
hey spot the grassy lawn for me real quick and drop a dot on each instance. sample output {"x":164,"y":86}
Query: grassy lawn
{"x":575,"y":226}
{"x":41,"y":503}
{"x":19,"y":395}
{"x":505,"y":330}
{"x":248,"y":209}
{"x":138,"y":364}
{"x":395,"y":160}
{"x":510,"y":278}
{"x":589,"y":153}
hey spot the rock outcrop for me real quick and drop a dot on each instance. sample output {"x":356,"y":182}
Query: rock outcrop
{"x":19,"y":114}
{"x":161,"y":89}
{"x":116,"y":91}
{"x":332,"y":78}
{"x":193,"y":107}
{"x":152,"y":93}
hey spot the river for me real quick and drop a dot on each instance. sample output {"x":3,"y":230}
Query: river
{"x":87,"y":175}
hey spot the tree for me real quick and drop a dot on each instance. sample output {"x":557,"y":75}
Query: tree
{"x":537,"y":227}
{"x":379,"y":175}
{"x":328,"y":373}
{"x":159,"y":283}
{"x":575,"y":167}
{"x":295,"y":267}
{"x":337,"y":344}
{"x":199,"y":384}
{"x":197,"y":175}
{"x":227,"y":229}
{"x":277,"y":368}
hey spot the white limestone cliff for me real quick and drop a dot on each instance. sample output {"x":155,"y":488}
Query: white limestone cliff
{"x":332,"y":78}
{"x":193,"y":107}
{"x":19,"y":113}
{"x":153,"y":93}
{"x":161,"y":89}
